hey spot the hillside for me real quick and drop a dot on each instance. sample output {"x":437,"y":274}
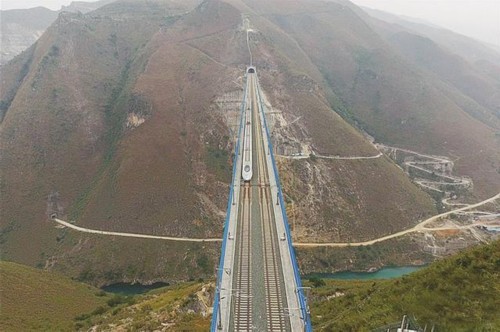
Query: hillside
{"x":461,"y":62}
{"x":33,"y":299}
{"x":468,"y":48}
{"x":375,"y":87}
{"x":85,"y":106}
{"x":37,"y":300}
{"x":455,"y":71}
{"x":21,"y":28}
{"x":183,"y":307}
{"x":122,"y":119}
{"x":84,"y":6}
{"x":459,"y":293}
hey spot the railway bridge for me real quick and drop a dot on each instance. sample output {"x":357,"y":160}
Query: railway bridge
{"x":258,"y":281}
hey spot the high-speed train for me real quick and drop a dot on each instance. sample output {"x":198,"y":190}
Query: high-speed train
{"x":246,"y":172}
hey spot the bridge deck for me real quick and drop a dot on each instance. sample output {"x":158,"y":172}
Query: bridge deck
{"x":258,"y":290}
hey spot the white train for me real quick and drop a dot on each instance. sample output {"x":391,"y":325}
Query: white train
{"x":246,"y":172}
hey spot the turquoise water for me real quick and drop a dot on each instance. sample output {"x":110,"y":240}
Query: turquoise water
{"x":132,"y":289}
{"x":384,"y":273}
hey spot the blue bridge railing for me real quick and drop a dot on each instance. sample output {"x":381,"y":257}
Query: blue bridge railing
{"x":216,"y":308}
{"x":300,"y":292}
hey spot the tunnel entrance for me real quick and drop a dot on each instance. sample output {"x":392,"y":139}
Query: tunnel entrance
{"x":251,"y":70}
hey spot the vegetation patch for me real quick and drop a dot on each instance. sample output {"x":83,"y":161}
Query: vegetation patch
{"x":456,"y":294}
{"x":217,"y":161}
{"x":182,"y":307}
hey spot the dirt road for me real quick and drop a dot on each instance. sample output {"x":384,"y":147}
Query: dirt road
{"x":141,"y":236}
{"x":418,"y":228}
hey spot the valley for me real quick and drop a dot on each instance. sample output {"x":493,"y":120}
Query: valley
{"x":119,"y":134}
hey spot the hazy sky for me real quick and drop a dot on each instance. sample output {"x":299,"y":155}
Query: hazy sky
{"x":51,"y":4}
{"x":476,"y":18}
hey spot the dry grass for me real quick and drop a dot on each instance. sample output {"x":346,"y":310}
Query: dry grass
{"x":37,"y":300}
{"x":181,"y":308}
{"x":352,"y":200}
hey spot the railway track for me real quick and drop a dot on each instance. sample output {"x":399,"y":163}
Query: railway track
{"x":274,"y":298}
{"x":258,"y":303}
{"x":243,"y":291}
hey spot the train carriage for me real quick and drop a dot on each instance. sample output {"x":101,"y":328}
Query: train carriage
{"x":247,"y":172}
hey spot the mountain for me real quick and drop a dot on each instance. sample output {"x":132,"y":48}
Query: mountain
{"x":452,"y":70}
{"x":468,"y":48}
{"x":391,"y":99}
{"x":20,"y":28}
{"x":455,"y":294}
{"x":122,"y":119}
{"x":465,"y":71}
{"x":84,"y":6}
{"x":460,"y":61}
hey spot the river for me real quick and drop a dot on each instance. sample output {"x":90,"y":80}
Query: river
{"x":132,"y":289}
{"x":384,"y":273}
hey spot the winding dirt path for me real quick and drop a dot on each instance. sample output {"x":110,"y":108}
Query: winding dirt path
{"x":435,"y":162}
{"x":140,"y":236}
{"x":380,"y":154}
{"x":418,"y":228}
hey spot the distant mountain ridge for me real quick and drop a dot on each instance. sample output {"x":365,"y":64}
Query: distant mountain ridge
{"x":20,"y":28}
{"x":468,"y":48}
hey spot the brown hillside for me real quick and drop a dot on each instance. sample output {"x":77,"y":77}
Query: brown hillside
{"x":160,"y":181}
{"x":391,"y":99}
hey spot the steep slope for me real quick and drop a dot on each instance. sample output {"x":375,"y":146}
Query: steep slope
{"x":484,"y":59}
{"x":84,"y":6}
{"x":327,"y":199}
{"x":459,"y":293}
{"x":162,"y":168}
{"x":452,"y":69}
{"x":387,"y":96}
{"x":21,"y":28}
{"x":472,"y":76}
{"x":37,"y":300}
{"x":57,"y":161}
{"x":468,"y":48}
